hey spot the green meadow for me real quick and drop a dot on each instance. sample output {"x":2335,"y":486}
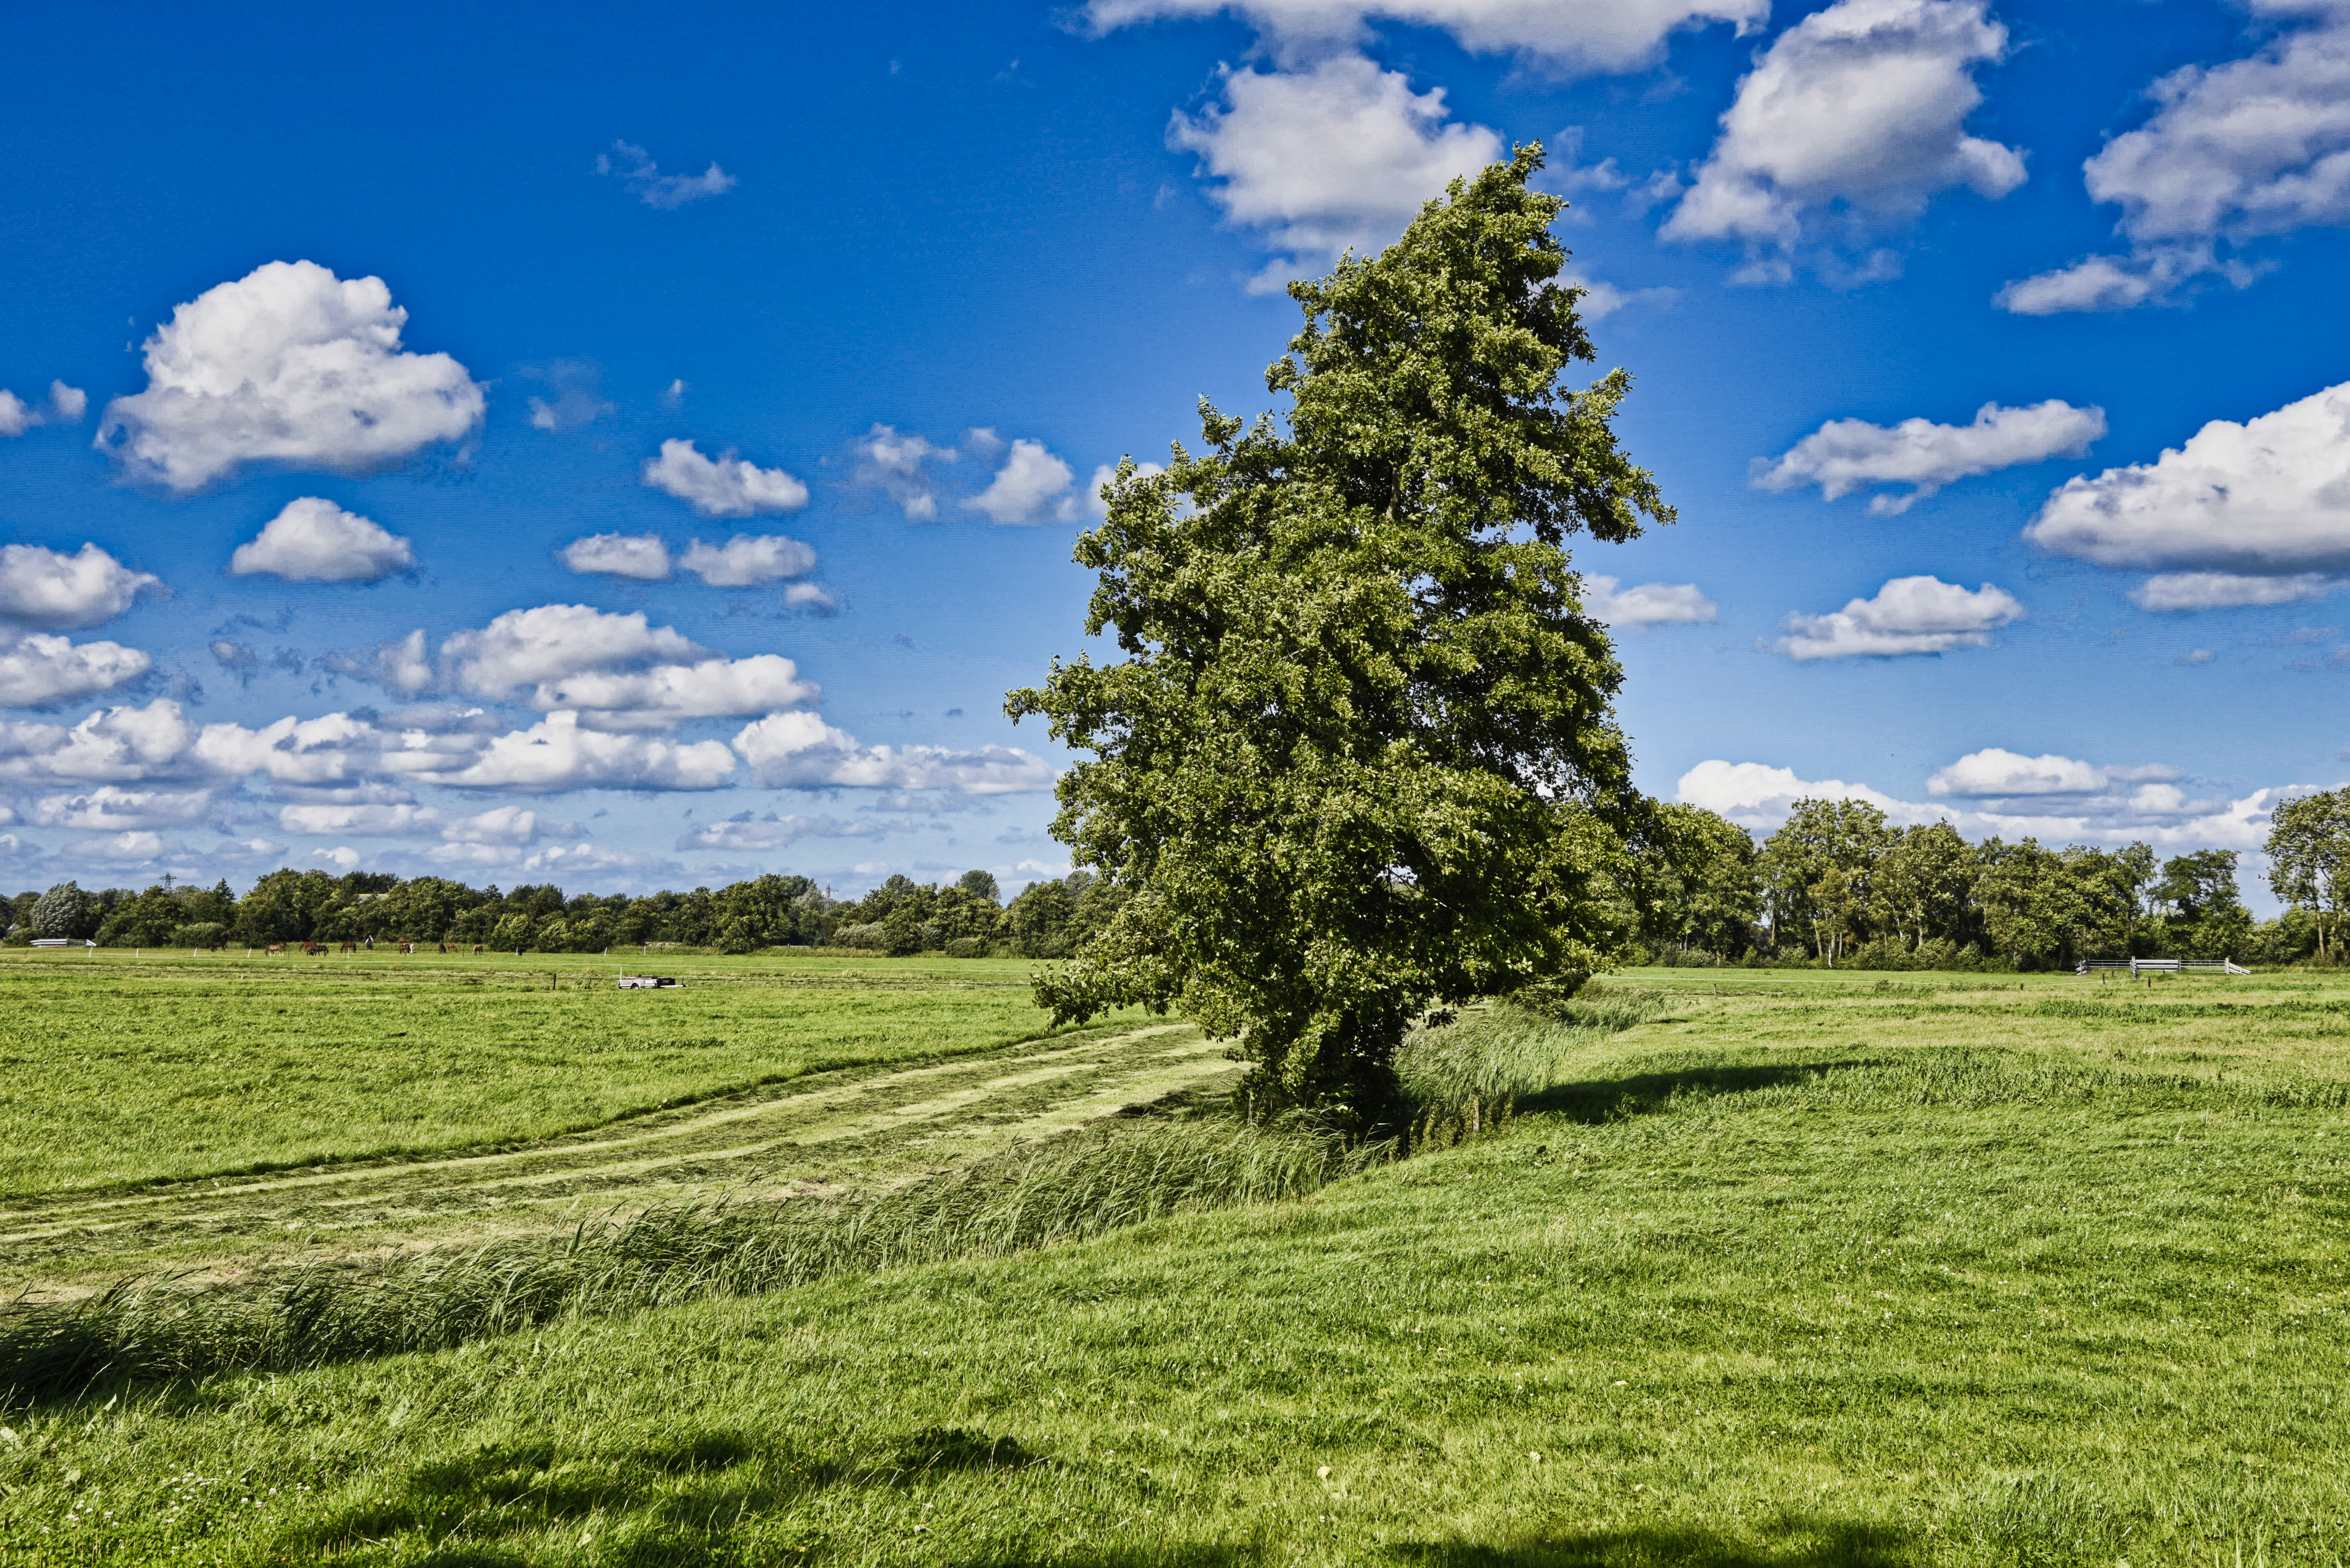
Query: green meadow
{"x":1747,"y":1268}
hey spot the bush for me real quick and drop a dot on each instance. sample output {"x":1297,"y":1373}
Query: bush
{"x":201,"y":934}
{"x":871,"y":938}
{"x":967,"y":947}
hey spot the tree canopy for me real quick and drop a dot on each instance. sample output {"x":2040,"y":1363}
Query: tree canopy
{"x":1359,"y":756}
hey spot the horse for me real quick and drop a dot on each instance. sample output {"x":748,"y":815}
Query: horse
{"x":350,"y":947}
{"x":274,"y":949}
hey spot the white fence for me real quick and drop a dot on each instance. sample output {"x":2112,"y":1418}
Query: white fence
{"x":2164,"y":966}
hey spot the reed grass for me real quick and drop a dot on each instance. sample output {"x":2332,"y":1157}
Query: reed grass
{"x":1068,"y":1190}
{"x":1466,"y":1073}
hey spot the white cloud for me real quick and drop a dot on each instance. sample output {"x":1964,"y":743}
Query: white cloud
{"x":800,"y":749}
{"x":617,"y":671}
{"x":1845,"y":455}
{"x":1996,"y":770}
{"x":634,"y":167}
{"x":1600,"y":300}
{"x":501,"y":825}
{"x":109,"y":809}
{"x":640,"y":555}
{"x":747,"y":560}
{"x":900,"y":466}
{"x":66,"y":406}
{"x":2270,"y":497}
{"x":1758,"y":797}
{"x":332,"y":749}
{"x":247,"y":851}
{"x":558,"y":754}
{"x":1108,"y":475}
{"x":1592,"y":34}
{"x":1908,"y":615}
{"x":526,"y":648}
{"x":288,"y":365}
{"x":2254,"y":146}
{"x":1340,"y":154}
{"x":120,"y":848}
{"x":342,"y":858}
{"x":725,"y":486}
{"x":53,"y":590}
{"x":568,"y":410}
{"x":112,"y":745}
{"x":2225,"y":590}
{"x":1031,"y":486}
{"x":37,"y":669}
{"x":315,"y":541}
{"x":1646,"y":604}
{"x":2196,"y":656}
{"x":363,"y":819}
{"x":812,"y":597}
{"x":1856,"y":114}
{"x":745,"y":834}
{"x":400,"y":665}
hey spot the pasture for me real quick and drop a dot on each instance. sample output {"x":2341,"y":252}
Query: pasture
{"x":1852,"y":1269}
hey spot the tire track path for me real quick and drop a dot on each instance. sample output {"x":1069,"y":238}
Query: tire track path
{"x":830,"y":1132}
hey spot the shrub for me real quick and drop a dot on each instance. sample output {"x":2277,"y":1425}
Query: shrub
{"x":967,"y":947}
{"x":872,"y":937}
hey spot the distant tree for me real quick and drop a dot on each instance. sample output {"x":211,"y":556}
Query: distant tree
{"x":65,"y":910}
{"x":1923,"y":886}
{"x":1359,"y":756}
{"x":148,"y":921}
{"x":2204,"y":912}
{"x":1817,"y":873}
{"x":1695,"y":880}
{"x":2309,"y":861}
{"x":980,"y":884}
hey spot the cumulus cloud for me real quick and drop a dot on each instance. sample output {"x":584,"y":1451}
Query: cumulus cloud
{"x":747,"y":560}
{"x":1589,"y":35}
{"x":120,"y":848}
{"x":900,"y":465}
{"x":2267,"y":498}
{"x":801,"y":751}
{"x":113,"y":745}
{"x":2255,"y":147}
{"x":634,"y":167}
{"x":1644,"y":604}
{"x":1908,"y":615}
{"x":1855,"y":115}
{"x":640,"y":555}
{"x":1032,"y":486}
{"x":618,"y":671}
{"x":745,"y":834}
{"x":559,"y":754}
{"x":2109,"y":810}
{"x":291,"y":366}
{"x":725,"y":486}
{"x":504,"y":825}
{"x":111,"y":809}
{"x":1845,"y":455}
{"x":37,"y":669}
{"x":52,"y":590}
{"x":2226,"y":590}
{"x":315,"y":541}
{"x":66,"y":405}
{"x":811,"y":598}
{"x":1340,"y":154}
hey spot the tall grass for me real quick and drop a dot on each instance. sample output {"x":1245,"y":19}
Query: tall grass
{"x":1121,"y":1176}
{"x":1466,"y":1075}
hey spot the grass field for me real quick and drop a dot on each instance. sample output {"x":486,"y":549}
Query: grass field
{"x":1851,"y":1270}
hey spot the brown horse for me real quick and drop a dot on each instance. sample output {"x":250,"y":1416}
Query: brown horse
{"x":350,"y":947}
{"x":274,"y":949}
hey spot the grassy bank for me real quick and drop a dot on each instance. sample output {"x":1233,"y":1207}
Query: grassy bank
{"x":1818,"y":1278}
{"x":115,"y":1071}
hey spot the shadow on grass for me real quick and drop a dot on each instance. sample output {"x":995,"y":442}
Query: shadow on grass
{"x":1644,"y":1093}
{"x":1809,"y":1544}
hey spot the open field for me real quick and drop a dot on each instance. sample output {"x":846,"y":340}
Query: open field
{"x":114,"y":1072}
{"x":1882,"y":1270}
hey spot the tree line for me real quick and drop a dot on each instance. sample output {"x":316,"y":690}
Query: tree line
{"x":966,"y":917}
{"x":1838,"y":885}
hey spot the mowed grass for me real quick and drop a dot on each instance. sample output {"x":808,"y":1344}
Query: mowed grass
{"x":1837,"y":1277}
{"x":115,"y":1071}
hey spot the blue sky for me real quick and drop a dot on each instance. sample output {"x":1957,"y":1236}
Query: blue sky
{"x":813,"y":324}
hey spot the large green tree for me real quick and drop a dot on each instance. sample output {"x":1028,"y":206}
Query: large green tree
{"x":1819,"y":873}
{"x":2309,"y":861}
{"x":1359,"y":756}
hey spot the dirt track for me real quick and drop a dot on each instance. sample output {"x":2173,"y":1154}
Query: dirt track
{"x":823,"y":1133}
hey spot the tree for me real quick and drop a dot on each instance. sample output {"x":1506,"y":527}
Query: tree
{"x":65,"y":910}
{"x":1694,"y":878}
{"x":2206,"y":916}
{"x":1924,"y":885}
{"x":1359,"y":756}
{"x":980,"y":885}
{"x":1817,"y":872}
{"x":2309,"y":861}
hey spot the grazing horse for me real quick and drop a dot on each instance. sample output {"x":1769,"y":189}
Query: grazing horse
{"x":477,"y":947}
{"x":315,"y":949}
{"x":350,"y":947}
{"x":407,"y":947}
{"x":274,"y":949}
